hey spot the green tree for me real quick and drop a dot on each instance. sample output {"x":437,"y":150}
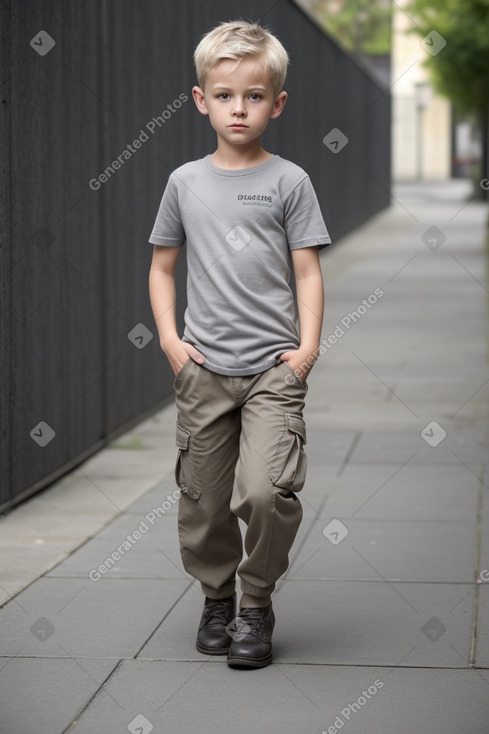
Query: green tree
{"x":460,"y":70}
{"x":364,"y":26}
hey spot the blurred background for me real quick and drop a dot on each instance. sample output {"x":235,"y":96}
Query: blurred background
{"x":440,"y":99}
{"x":97,"y":112}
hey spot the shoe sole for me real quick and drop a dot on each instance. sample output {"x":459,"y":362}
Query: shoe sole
{"x":211,"y":650}
{"x":249,"y":662}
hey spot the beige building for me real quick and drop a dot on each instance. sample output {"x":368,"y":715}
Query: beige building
{"x":421,"y":119}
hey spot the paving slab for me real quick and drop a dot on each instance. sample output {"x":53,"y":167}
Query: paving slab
{"x":165,"y":490}
{"x":42,"y":531}
{"x":45,"y":695}
{"x":41,"y":522}
{"x":20,"y":560}
{"x":326,"y":448}
{"x":341,"y":548}
{"x":375,"y":623}
{"x":143,"y":560}
{"x":159,"y":529}
{"x":111,"y":618}
{"x":175,"y":638}
{"x":434,"y":443}
{"x":408,"y":492}
{"x":209,"y":696}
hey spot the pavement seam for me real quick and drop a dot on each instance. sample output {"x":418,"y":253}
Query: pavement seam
{"x":75,"y":720}
{"x":222,"y":661}
{"x":349,"y":453}
{"x":184,"y":592}
{"x":477,"y":558}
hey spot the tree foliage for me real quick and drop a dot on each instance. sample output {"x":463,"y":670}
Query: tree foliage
{"x":360,"y":25}
{"x":460,"y":70}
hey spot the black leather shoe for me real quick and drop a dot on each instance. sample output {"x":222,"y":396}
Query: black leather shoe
{"x":212,"y":638}
{"x":252,"y":642}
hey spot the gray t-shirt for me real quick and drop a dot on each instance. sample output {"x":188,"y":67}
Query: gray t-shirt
{"x":240,"y":226}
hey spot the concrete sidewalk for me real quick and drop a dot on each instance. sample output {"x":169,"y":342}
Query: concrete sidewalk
{"x":382,"y":617}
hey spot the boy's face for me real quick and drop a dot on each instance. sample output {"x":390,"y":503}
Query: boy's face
{"x":239,"y":99}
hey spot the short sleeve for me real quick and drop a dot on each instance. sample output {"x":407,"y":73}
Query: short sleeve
{"x":168,"y":228}
{"x":303,"y":221}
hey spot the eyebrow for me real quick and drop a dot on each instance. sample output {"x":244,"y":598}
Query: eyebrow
{"x":224,"y":87}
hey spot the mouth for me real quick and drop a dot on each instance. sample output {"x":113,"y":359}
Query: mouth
{"x":238,"y":126}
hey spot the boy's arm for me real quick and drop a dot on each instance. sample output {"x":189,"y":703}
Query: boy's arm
{"x":162,"y":296}
{"x":310,"y":302}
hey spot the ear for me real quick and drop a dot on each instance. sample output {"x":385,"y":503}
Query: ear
{"x":199,"y":100}
{"x":278,"y":105}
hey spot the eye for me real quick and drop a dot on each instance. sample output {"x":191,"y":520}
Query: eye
{"x":223,"y":94}
{"x":256,"y":96}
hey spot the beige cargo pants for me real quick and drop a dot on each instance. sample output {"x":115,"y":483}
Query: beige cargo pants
{"x":240,"y":455}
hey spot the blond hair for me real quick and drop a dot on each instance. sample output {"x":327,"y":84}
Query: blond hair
{"x":236,"y":40}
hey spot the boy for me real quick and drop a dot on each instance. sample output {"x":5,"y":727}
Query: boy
{"x":248,"y":217}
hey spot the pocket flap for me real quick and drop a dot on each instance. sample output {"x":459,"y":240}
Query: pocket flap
{"x":182,"y":437}
{"x":296,"y":424}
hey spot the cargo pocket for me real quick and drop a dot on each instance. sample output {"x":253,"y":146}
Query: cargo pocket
{"x":183,"y":466}
{"x":289,"y":463}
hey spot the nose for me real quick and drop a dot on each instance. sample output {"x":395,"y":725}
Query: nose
{"x":239,"y":108}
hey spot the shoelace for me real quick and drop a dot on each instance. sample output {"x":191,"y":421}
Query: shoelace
{"x":253,"y":617}
{"x":216,"y":613}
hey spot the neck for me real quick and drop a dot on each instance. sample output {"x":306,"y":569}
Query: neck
{"x":239,"y":156}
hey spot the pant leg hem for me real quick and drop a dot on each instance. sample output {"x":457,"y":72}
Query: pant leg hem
{"x":252,"y":590}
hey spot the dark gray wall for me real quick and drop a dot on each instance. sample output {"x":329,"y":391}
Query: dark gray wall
{"x":75,"y":261}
